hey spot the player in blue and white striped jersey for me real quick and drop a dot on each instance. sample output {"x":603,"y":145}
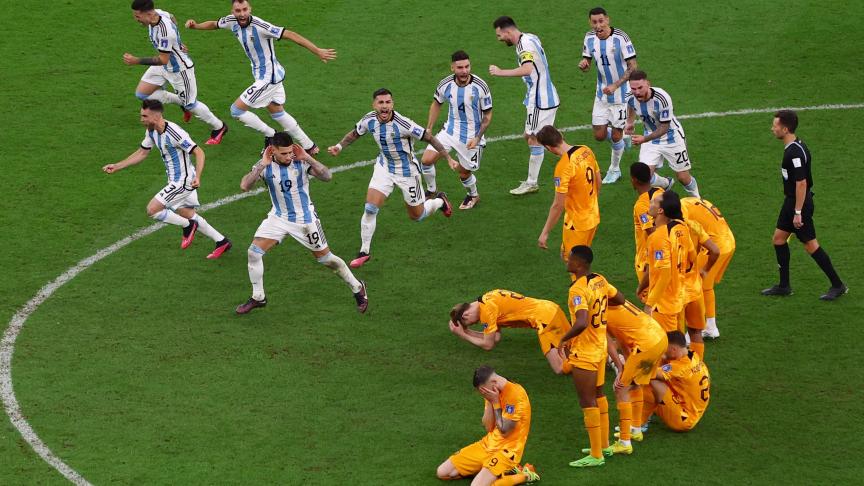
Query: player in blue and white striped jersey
{"x":173,"y":65}
{"x":257,"y":37}
{"x":285,"y":169}
{"x":468,"y":118}
{"x":541,"y":99}
{"x":615,"y":57}
{"x":395,"y":166}
{"x":176,"y":202}
{"x":663,"y":137}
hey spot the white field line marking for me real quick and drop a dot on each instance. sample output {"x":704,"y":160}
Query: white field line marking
{"x":7,"y":345}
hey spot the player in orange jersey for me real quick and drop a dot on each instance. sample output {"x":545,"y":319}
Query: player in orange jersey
{"x":694,"y":305}
{"x":494,"y":459}
{"x":643,"y":223}
{"x":577,"y":185}
{"x":709,"y":216}
{"x":681,"y":389}
{"x":504,"y":308}
{"x":584,"y":347}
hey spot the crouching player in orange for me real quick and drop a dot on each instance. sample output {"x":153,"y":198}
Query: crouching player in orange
{"x":494,"y":459}
{"x":504,"y":308}
{"x":644,"y":342}
{"x":681,"y":388}
{"x":584,"y":347}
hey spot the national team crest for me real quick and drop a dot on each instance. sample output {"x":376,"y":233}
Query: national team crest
{"x":509,"y":409}
{"x":644,"y":218}
{"x":577,"y":300}
{"x":658,"y":255}
{"x":557,"y":181}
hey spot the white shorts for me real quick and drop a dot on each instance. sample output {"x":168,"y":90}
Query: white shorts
{"x":184,"y":83}
{"x":538,"y":119}
{"x":468,"y":158}
{"x":605,"y":113}
{"x":676,"y":154}
{"x":175,"y":196}
{"x":262,"y":93}
{"x":310,"y":235}
{"x":412,"y":189}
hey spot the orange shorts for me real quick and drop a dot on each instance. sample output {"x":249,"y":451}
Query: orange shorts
{"x":669,"y":322}
{"x":573,"y":237}
{"x":694,"y":314}
{"x":555,"y":329}
{"x":598,"y":366}
{"x":674,"y":415}
{"x":641,"y":364}
{"x":471,"y":459}
{"x":717,"y":271}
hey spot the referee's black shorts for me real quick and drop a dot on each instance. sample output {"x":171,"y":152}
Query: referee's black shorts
{"x":806,"y":232}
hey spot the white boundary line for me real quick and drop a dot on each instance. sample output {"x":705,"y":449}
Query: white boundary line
{"x":7,"y":345}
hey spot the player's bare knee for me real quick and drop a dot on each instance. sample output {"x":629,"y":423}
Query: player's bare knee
{"x":446,"y":471}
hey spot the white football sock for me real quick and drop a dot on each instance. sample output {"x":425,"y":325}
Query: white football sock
{"x":534,"y":164}
{"x":430,"y":206}
{"x":170,"y":217}
{"x":470,"y":184}
{"x":208,"y":231}
{"x":290,"y":125}
{"x":429,"y":177}
{"x":164,"y":97}
{"x":203,"y":113}
{"x":617,"y":153}
{"x":339,"y":267}
{"x":710,"y":323}
{"x":367,"y":226}
{"x":256,"y":271}
{"x":252,"y":121}
{"x":692,"y":188}
{"x":660,"y":181}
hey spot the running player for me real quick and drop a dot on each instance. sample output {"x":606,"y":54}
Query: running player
{"x":499,"y":308}
{"x":615,"y":57}
{"x":682,"y":388}
{"x":467,"y":121}
{"x":285,"y":169}
{"x":173,"y":65}
{"x":256,"y":36}
{"x":176,"y":202}
{"x":576,"y":190}
{"x":663,"y":137}
{"x":709,"y":216}
{"x":585,"y":348}
{"x":541,"y":100}
{"x":494,"y":459}
{"x":396,"y":166}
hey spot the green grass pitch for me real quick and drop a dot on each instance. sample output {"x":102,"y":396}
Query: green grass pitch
{"x":137,"y":371}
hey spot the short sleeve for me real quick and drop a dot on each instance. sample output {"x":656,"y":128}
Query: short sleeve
{"x":489,"y":316}
{"x":611,"y":291}
{"x":515,"y":408}
{"x":563,"y":174}
{"x":661,"y":254}
{"x":627,"y":50}
{"x":578,"y":299}
{"x":268,"y":30}
{"x":586,"y":53}
{"x":181,"y":140}
{"x":527,"y":55}
{"x":165,"y":42}
{"x":439,"y":94}
{"x":147,"y":143}
{"x":485,"y":101}
{"x":415,"y":131}
{"x":667,"y":112}
{"x":229,"y":22}
{"x":363,"y":126}
{"x":795,"y":163}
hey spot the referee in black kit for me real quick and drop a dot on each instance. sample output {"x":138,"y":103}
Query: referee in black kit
{"x":796,"y":215}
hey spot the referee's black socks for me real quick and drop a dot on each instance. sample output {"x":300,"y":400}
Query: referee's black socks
{"x":782,"y":252}
{"x":824,"y":262}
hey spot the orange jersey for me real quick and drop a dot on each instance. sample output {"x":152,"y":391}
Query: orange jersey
{"x":505,"y":308}
{"x":642,"y":222}
{"x":692,"y":277}
{"x":689,"y":381}
{"x":706,"y":213}
{"x":577,"y":176}
{"x":590,"y":293}
{"x":664,"y":251}
{"x":515,"y":406}
{"x":632,"y":328}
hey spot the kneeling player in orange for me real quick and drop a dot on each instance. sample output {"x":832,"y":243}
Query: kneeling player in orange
{"x":644,"y":343}
{"x":504,"y":308}
{"x":494,"y":459}
{"x":681,"y":388}
{"x":584,"y":347}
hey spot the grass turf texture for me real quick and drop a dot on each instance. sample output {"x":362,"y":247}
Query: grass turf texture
{"x":137,"y":371}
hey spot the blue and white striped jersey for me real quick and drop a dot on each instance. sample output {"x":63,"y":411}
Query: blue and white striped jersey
{"x":541,"y":92}
{"x":610,"y":55}
{"x":257,"y":41}
{"x":176,"y":147}
{"x":288,"y":186}
{"x":396,"y":141}
{"x":657,"y":110}
{"x":165,"y":37}
{"x":467,"y":104}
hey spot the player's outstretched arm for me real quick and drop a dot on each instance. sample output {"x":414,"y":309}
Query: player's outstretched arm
{"x":162,"y":59}
{"x":523,"y":70}
{"x":555,"y":211}
{"x":347,"y":140}
{"x":134,"y":158}
{"x":208,"y":25}
{"x":439,"y":147}
{"x":323,"y":54}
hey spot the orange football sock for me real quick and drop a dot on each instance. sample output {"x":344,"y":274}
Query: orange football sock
{"x":592,"y":425}
{"x":710,"y":303}
{"x":510,"y":480}
{"x":698,"y":348}
{"x":566,"y":367}
{"x":624,"y":416}
{"x":635,"y":407}
{"x":649,"y":403}
{"x":603,"y":406}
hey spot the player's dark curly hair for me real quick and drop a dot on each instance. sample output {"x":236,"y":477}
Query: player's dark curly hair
{"x":457,"y":311}
{"x":504,"y":22}
{"x":670,"y":203}
{"x":677,"y":338}
{"x":482,"y":375}
{"x":583,"y":253}
{"x":153,"y":105}
{"x":142,"y":5}
{"x":459,"y":55}
{"x":282,"y":139}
